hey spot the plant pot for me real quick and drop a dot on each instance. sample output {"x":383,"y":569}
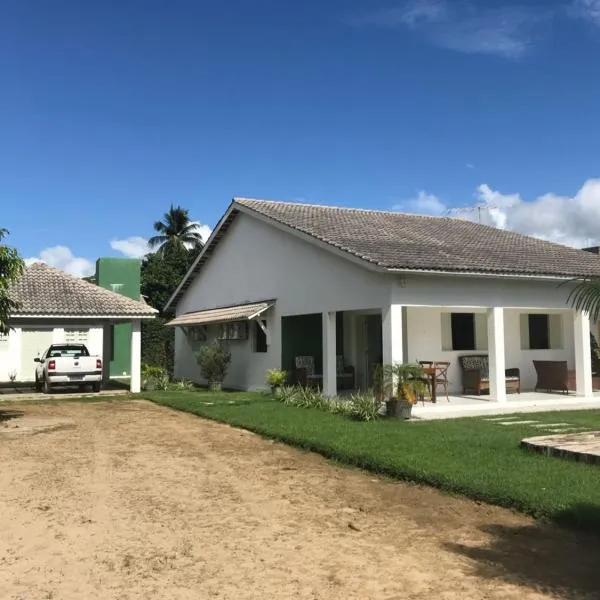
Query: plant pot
{"x":149,"y":385}
{"x":215,"y":386}
{"x":276,"y":391}
{"x":397,"y":408}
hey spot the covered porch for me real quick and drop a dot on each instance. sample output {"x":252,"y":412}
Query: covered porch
{"x":535,"y":343}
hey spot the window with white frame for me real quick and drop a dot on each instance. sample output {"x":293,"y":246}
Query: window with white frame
{"x":464,"y":331}
{"x":541,"y":331}
{"x":76,"y":336}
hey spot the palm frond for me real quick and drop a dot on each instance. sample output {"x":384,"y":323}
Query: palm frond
{"x":158,"y":240}
{"x":585,"y":297}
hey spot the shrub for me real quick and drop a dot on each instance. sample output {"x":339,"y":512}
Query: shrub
{"x":364,"y":407}
{"x":213,"y":360}
{"x":154,"y":377}
{"x":183,"y":385}
{"x":276,"y":377}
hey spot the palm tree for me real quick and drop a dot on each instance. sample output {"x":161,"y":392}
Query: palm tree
{"x":176,"y":229}
{"x":585,"y":297}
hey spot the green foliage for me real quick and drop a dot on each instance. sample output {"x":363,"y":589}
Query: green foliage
{"x":404,"y":381}
{"x":585,"y":297}
{"x":11,"y":268}
{"x":176,"y":230}
{"x":363,"y":406}
{"x":154,"y":377}
{"x":161,"y":274}
{"x":276,"y":377}
{"x":471,"y":456}
{"x":213,"y":360}
{"x":183,"y":385}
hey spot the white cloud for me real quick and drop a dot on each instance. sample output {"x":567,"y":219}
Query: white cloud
{"x":586,"y":9}
{"x":570,"y":220}
{"x":132,"y":247}
{"x":469,"y":165}
{"x":463,"y":26}
{"x":62,"y":258}
{"x":137,"y":247}
{"x":424,"y":204}
{"x":204,"y":231}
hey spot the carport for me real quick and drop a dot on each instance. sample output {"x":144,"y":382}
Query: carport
{"x":55,"y":307}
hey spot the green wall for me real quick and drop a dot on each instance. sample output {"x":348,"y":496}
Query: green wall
{"x":302,"y":335}
{"x":121,"y":275}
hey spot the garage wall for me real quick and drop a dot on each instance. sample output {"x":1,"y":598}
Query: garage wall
{"x":28,"y":339}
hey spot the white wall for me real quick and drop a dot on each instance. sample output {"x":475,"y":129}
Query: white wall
{"x":256,"y":261}
{"x":443,"y":290}
{"x":424,"y":337}
{"x":10,"y":350}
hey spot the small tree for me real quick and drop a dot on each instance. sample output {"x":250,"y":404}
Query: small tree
{"x":214,"y":360}
{"x":11,"y":268}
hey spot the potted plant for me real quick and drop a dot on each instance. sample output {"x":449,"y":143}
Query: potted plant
{"x":400,"y":385}
{"x":275,"y":379}
{"x":152,"y":376}
{"x":214,"y":360}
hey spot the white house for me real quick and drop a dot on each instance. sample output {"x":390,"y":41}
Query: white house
{"x":54,"y":308}
{"x":284,"y":280}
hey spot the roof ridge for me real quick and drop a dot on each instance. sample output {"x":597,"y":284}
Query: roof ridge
{"x":241,"y":199}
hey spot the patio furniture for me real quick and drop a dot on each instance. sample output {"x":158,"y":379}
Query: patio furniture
{"x":344,"y":373}
{"x":553,"y":375}
{"x":306,"y":377}
{"x":476,"y":377}
{"x":437,"y":375}
{"x":304,"y":371}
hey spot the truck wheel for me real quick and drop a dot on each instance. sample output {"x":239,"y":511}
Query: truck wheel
{"x":97,"y":386}
{"x":38,"y":385}
{"x":46,"y":388}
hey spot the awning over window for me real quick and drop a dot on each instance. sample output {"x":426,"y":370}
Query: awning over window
{"x":222,"y":315}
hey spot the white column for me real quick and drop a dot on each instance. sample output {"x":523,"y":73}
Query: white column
{"x":392,"y":334}
{"x":136,"y":355}
{"x":329,"y":353}
{"x":497,"y":363}
{"x":583,"y":354}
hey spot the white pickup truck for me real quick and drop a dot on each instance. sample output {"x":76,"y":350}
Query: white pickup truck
{"x":67,"y":364}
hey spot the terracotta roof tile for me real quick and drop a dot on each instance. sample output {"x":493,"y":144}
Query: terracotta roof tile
{"x":43,"y":290}
{"x":396,"y":240}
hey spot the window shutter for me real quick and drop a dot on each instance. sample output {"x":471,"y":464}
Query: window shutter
{"x":481,"y":334}
{"x":555,"y":333}
{"x":524,"y":323}
{"x":446,"y":331}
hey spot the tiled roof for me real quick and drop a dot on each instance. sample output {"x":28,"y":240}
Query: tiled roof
{"x":394,"y":240}
{"x":222,"y":315}
{"x":42,"y":290}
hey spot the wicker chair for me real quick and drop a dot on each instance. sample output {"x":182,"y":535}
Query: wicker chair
{"x":552,"y":375}
{"x":475,"y":374}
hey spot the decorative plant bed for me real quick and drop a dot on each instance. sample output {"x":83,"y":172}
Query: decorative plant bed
{"x":582,"y":447}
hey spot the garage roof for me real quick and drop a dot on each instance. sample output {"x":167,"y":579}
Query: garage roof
{"x":238,"y":312}
{"x":43,"y":291}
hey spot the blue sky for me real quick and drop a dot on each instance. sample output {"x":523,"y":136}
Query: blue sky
{"x":112,"y":110}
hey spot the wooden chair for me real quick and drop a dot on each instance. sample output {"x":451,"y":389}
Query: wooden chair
{"x":552,"y":375}
{"x":305,"y":371}
{"x":441,"y":376}
{"x":475,"y":374}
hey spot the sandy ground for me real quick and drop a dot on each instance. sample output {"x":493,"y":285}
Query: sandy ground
{"x":130,"y":500}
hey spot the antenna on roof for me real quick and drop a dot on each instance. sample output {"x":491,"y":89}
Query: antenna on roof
{"x":472,"y":209}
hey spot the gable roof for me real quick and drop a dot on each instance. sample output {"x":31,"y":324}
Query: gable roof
{"x":45,"y":291}
{"x":397,"y":241}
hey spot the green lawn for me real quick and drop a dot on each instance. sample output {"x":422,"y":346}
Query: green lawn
{"x":474,"y":457}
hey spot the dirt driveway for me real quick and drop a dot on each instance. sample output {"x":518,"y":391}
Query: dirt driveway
{"x":129,"y":500}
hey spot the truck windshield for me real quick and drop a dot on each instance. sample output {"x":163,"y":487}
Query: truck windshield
{"x":68,"y":351}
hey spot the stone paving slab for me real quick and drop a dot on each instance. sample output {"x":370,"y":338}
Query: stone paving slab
{"x":582,"y":446}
